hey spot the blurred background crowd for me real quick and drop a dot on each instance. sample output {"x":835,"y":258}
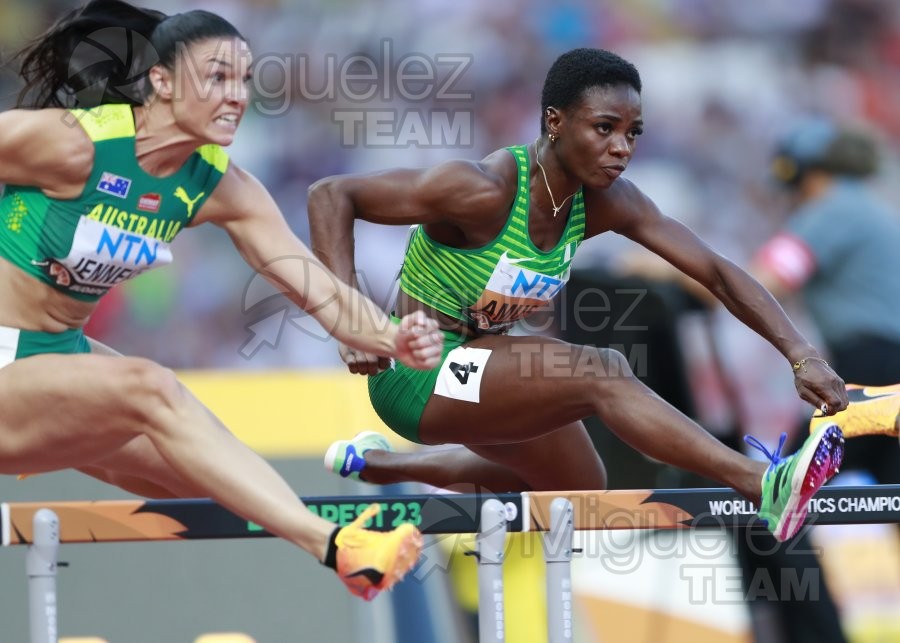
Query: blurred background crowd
{"x":722,"y":80}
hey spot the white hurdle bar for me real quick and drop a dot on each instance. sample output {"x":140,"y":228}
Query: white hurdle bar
{"x":44,"y":526}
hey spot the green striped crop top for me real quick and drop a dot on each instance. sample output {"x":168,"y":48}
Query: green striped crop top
{"x":492,"y":287}
{"x":122,"y":223}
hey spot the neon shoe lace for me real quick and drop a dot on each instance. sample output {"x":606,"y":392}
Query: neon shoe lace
{"x":774,"y":458}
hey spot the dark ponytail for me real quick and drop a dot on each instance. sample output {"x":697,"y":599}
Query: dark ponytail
{"x":103,"y":52}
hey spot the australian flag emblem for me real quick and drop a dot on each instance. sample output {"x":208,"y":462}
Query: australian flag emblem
{"x":113,"y":184}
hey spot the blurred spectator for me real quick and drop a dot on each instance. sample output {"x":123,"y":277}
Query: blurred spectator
{"x":839,"y":249}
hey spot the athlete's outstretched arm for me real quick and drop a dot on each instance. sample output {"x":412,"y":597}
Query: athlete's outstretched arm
{"x":246,"y":210}
{"x":641,"y":221}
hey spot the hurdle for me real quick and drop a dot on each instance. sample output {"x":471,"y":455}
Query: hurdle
{"x":43,"y":527}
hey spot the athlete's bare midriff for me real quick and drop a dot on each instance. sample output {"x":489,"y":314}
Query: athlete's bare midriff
{"x":29,"y":304}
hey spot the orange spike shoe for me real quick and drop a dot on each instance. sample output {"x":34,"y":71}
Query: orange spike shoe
{"x":873,"y":410}
{"x":371,"y":561}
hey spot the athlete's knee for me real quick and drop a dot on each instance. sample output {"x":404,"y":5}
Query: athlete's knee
{"x":614,"y":364}
{"x":150,"y":389}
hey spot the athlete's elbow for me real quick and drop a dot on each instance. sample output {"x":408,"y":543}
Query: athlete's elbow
{"x":323,"y":190}
{"x":327,"y":200}
{"x":320,"y":186}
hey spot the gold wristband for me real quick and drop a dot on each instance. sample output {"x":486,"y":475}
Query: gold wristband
{"x":802,"y":363}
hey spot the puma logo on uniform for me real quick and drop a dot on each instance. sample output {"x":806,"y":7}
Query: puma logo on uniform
{"x":181,"y":195}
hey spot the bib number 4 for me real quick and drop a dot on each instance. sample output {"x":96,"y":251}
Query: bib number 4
{"x":462,"y":371}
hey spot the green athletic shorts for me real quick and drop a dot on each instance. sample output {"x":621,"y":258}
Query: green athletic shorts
{"x":399,"y":394}
{"x":17,"y":344}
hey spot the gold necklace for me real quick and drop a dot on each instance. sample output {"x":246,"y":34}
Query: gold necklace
{"x":537,"y":157}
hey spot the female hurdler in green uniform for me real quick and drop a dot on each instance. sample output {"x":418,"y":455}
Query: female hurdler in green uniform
{"x":93,"y":197}
{"x":494,"y":241}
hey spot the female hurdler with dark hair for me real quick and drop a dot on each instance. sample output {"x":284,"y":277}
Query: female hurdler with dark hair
{"x":93,"y":197}
{"x":494,"y":241}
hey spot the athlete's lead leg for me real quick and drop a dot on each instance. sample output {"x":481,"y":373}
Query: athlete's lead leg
{"x":532,"y":385}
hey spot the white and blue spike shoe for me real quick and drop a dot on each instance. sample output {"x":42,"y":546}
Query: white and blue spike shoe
{"x":347,"y":457}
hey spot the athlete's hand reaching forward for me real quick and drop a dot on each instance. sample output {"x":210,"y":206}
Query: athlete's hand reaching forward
{"x":819,"y":385}
{"x":418,"y":344}
{"x":362,"y":363}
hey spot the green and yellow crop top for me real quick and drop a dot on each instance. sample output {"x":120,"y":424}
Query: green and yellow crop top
{"x":122,"y":223}
{"x":492,"y":287}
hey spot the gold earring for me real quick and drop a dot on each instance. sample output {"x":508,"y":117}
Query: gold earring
{"x":553,"y":138}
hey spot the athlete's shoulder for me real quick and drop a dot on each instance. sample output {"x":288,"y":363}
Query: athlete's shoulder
{"x":466,"y":189}
{"x":494,"y":177}
{"x":622,"y":192}
{"x":43,"y":148}
{"x":215,"y":156}
{"x":104,"y":122}
{"x":48,"y":126}
{"x":621,"y":200}
{"x":238,"y":194}
{"x":500,"y":165}
{"x":622,"y":207}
